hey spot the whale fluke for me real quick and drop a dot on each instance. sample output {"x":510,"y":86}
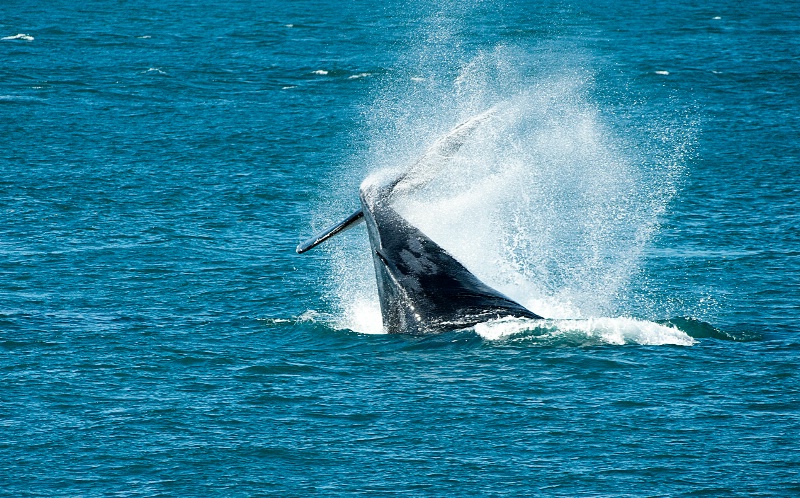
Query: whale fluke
{"x":438,"y":154}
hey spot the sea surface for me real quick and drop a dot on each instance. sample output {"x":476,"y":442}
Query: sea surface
{"x":637,"y":186}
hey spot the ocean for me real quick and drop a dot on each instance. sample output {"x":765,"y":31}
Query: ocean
{"x":637,"y":187}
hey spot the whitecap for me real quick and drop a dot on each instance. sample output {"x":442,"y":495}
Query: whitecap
{"x":144,"y":37}
{"x":321,"y":72}
{"x":716,"y":18}
{"x":154,"y":70}
{"x":288,"y":87}
{"x":417,"y":78}
{"x":20,"y":36}
{"x":663,"y":73}
{"x":359,"y":75}
{"x":289,"y":25}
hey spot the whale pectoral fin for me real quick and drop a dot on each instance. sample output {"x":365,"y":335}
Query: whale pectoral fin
{"x":326,"y":234}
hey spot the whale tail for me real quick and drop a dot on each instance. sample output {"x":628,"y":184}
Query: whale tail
{"x":438,"y":154}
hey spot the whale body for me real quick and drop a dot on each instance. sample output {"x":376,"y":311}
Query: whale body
{"x":421,"y":287}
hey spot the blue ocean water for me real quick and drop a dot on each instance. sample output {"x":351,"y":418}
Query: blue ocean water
{"x":160,"y":161}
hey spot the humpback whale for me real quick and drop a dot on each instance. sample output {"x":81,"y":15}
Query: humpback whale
{"x":421,"y":287}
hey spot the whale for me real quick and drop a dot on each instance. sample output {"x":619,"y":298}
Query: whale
{"x":422,"y":288}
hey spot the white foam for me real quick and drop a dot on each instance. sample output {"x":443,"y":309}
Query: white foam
{"x":359,"y":75}
{"x":288,"y":87}
{"x":145,"y":37}
{"x":662,"y":73}
{"x":615,"y":331}
{"x":20,"y":36}
{"x":321,"y":72}
{"x":362,"y":316}
{"x":153,"y":70}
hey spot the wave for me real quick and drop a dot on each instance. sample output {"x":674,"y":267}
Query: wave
{"x":21,"y":98}
{"x":19,"y":36}
{"x":699,"y":329}
{"x":153,"y":70}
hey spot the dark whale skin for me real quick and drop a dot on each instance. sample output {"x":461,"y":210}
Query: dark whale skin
{"x":422,"y":288}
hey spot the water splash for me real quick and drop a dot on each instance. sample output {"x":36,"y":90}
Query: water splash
{"x":546,"y":203}
{"x":354,"y":293}
{"x":551,"y":201}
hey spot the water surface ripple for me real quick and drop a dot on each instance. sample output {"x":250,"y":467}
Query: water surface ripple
{"x":160,"y":337}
